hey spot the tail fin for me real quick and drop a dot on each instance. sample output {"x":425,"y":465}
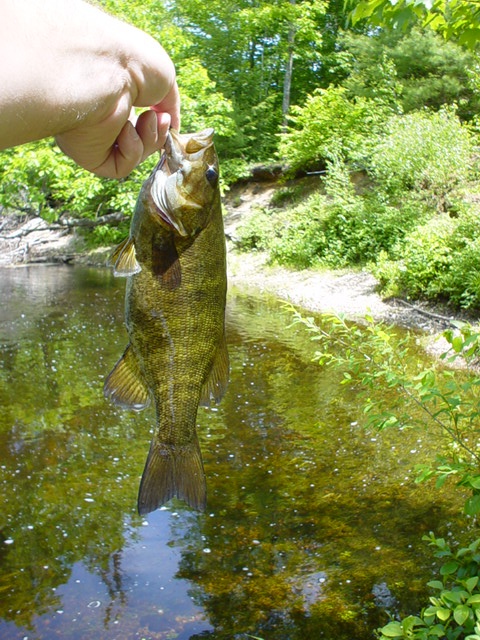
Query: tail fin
{"x":172,"y":471}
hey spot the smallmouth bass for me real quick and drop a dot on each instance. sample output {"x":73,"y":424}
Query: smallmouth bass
{"x":175,"y":262}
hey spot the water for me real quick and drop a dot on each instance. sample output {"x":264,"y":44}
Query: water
{"x":313,"y":527}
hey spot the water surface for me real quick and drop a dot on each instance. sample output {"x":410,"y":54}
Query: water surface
{"x":313,"y":526}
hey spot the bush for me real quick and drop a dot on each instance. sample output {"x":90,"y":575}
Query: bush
{"x":39,"y":179}
{"x":342,"y":228}
{"x":438,"y":260}
{"x":423,"y":151}
{"x":328,"y":125}
{"x":454,"y":609}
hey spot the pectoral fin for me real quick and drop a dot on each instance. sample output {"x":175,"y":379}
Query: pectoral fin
{"x":216,"y":383}
{"x":125,"y":385}
{"x":166,"y":264}
{"x":124,"y":259}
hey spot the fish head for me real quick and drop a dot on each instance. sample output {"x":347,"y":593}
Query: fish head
{"x":185,"y":182}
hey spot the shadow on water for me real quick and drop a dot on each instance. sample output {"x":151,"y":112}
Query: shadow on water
{"x":313,"y":527}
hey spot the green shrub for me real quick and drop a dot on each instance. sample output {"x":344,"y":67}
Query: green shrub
{"x":233,"y":170}
{"x":454,"y":609}
{"x":39,"y":179}
{"x":334,"y":229}
{"x":329,"y":124}
{"x":342,"y":228}
{"x":423,"y":151}
{"x":256,"y":232}
{"x":438,"y":260}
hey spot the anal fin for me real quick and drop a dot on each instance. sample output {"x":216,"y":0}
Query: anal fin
{"x":217,"y":381}
{"x":125,"y":385}
{"x":172,"y":471}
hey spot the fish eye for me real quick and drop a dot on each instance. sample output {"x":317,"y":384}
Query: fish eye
{"x":211,"y":175}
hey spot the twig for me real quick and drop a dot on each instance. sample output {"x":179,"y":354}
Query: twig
{"x":428,"y":314}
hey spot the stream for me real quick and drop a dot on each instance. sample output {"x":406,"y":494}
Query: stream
{"x":313,"y":526}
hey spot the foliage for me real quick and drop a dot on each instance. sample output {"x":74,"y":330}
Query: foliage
{"x":38,"y":179}
{"x":454,"y":19}
{"x":246,"y":49}
{"x":202,"y":105}
{"x":336,"y":229}
{"x":423,"y":151}
{"x":438,"y":260}
{"x":410,"y":71}
{"x":234,"y":170}
{"x":372,"y":361}
{"x":454,"y":609}
{"x":329,"y":125}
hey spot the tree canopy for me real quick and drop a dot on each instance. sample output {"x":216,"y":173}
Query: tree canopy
{"x":454,"y":19}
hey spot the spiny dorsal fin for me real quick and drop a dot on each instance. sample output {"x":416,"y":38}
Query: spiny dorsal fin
{"x":125,"y":385}
{"x":124,"y":259}
{"x":216,"y":383}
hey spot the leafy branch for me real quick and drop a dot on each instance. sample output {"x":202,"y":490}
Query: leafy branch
{"x":376,"y":362}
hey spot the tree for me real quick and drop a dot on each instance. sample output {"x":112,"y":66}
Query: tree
{"x":454,"y":19}
{"x":251,"y":49}
{"x":414,"y":70}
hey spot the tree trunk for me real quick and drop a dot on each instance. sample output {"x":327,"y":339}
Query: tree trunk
{"x":287,"y":80}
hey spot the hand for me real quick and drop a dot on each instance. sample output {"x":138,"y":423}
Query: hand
{"x":77,"y":77}
{"x":113,"y":147}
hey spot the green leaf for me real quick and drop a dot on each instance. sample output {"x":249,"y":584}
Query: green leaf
{"x":448,"y":568}
{"x":435,"y":584}
{"x":392,"y":630}
{"x":452,"y":596}
{"x":443,"y":614}
{"x":474,"y":481}
{"x":457,"y":343}
{"x":461,"y":614}
{"x":472,"y":505}
{"x":475,"y":599}
{"x":470,"y":584}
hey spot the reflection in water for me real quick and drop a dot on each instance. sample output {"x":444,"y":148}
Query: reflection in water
{"x":313,"y":526}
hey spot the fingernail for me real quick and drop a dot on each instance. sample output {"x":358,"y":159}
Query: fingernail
{"x":153,"y":124}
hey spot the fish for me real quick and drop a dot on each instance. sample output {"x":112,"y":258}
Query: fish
{"x":174,"y":259}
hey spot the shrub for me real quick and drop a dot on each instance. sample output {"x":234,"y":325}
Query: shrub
{"x":423,"y":151}
{"x":438,"y":260}
{"x":329,"y":124}
{"x":454,"y":609}
{"x":38,"y":179}
{"x":342,"y":228}
{"x":255,"y":233}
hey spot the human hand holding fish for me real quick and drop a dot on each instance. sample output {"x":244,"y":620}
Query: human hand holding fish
{"x":74,"y":72}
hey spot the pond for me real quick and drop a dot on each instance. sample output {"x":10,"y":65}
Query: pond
{"x":313,"y":526}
